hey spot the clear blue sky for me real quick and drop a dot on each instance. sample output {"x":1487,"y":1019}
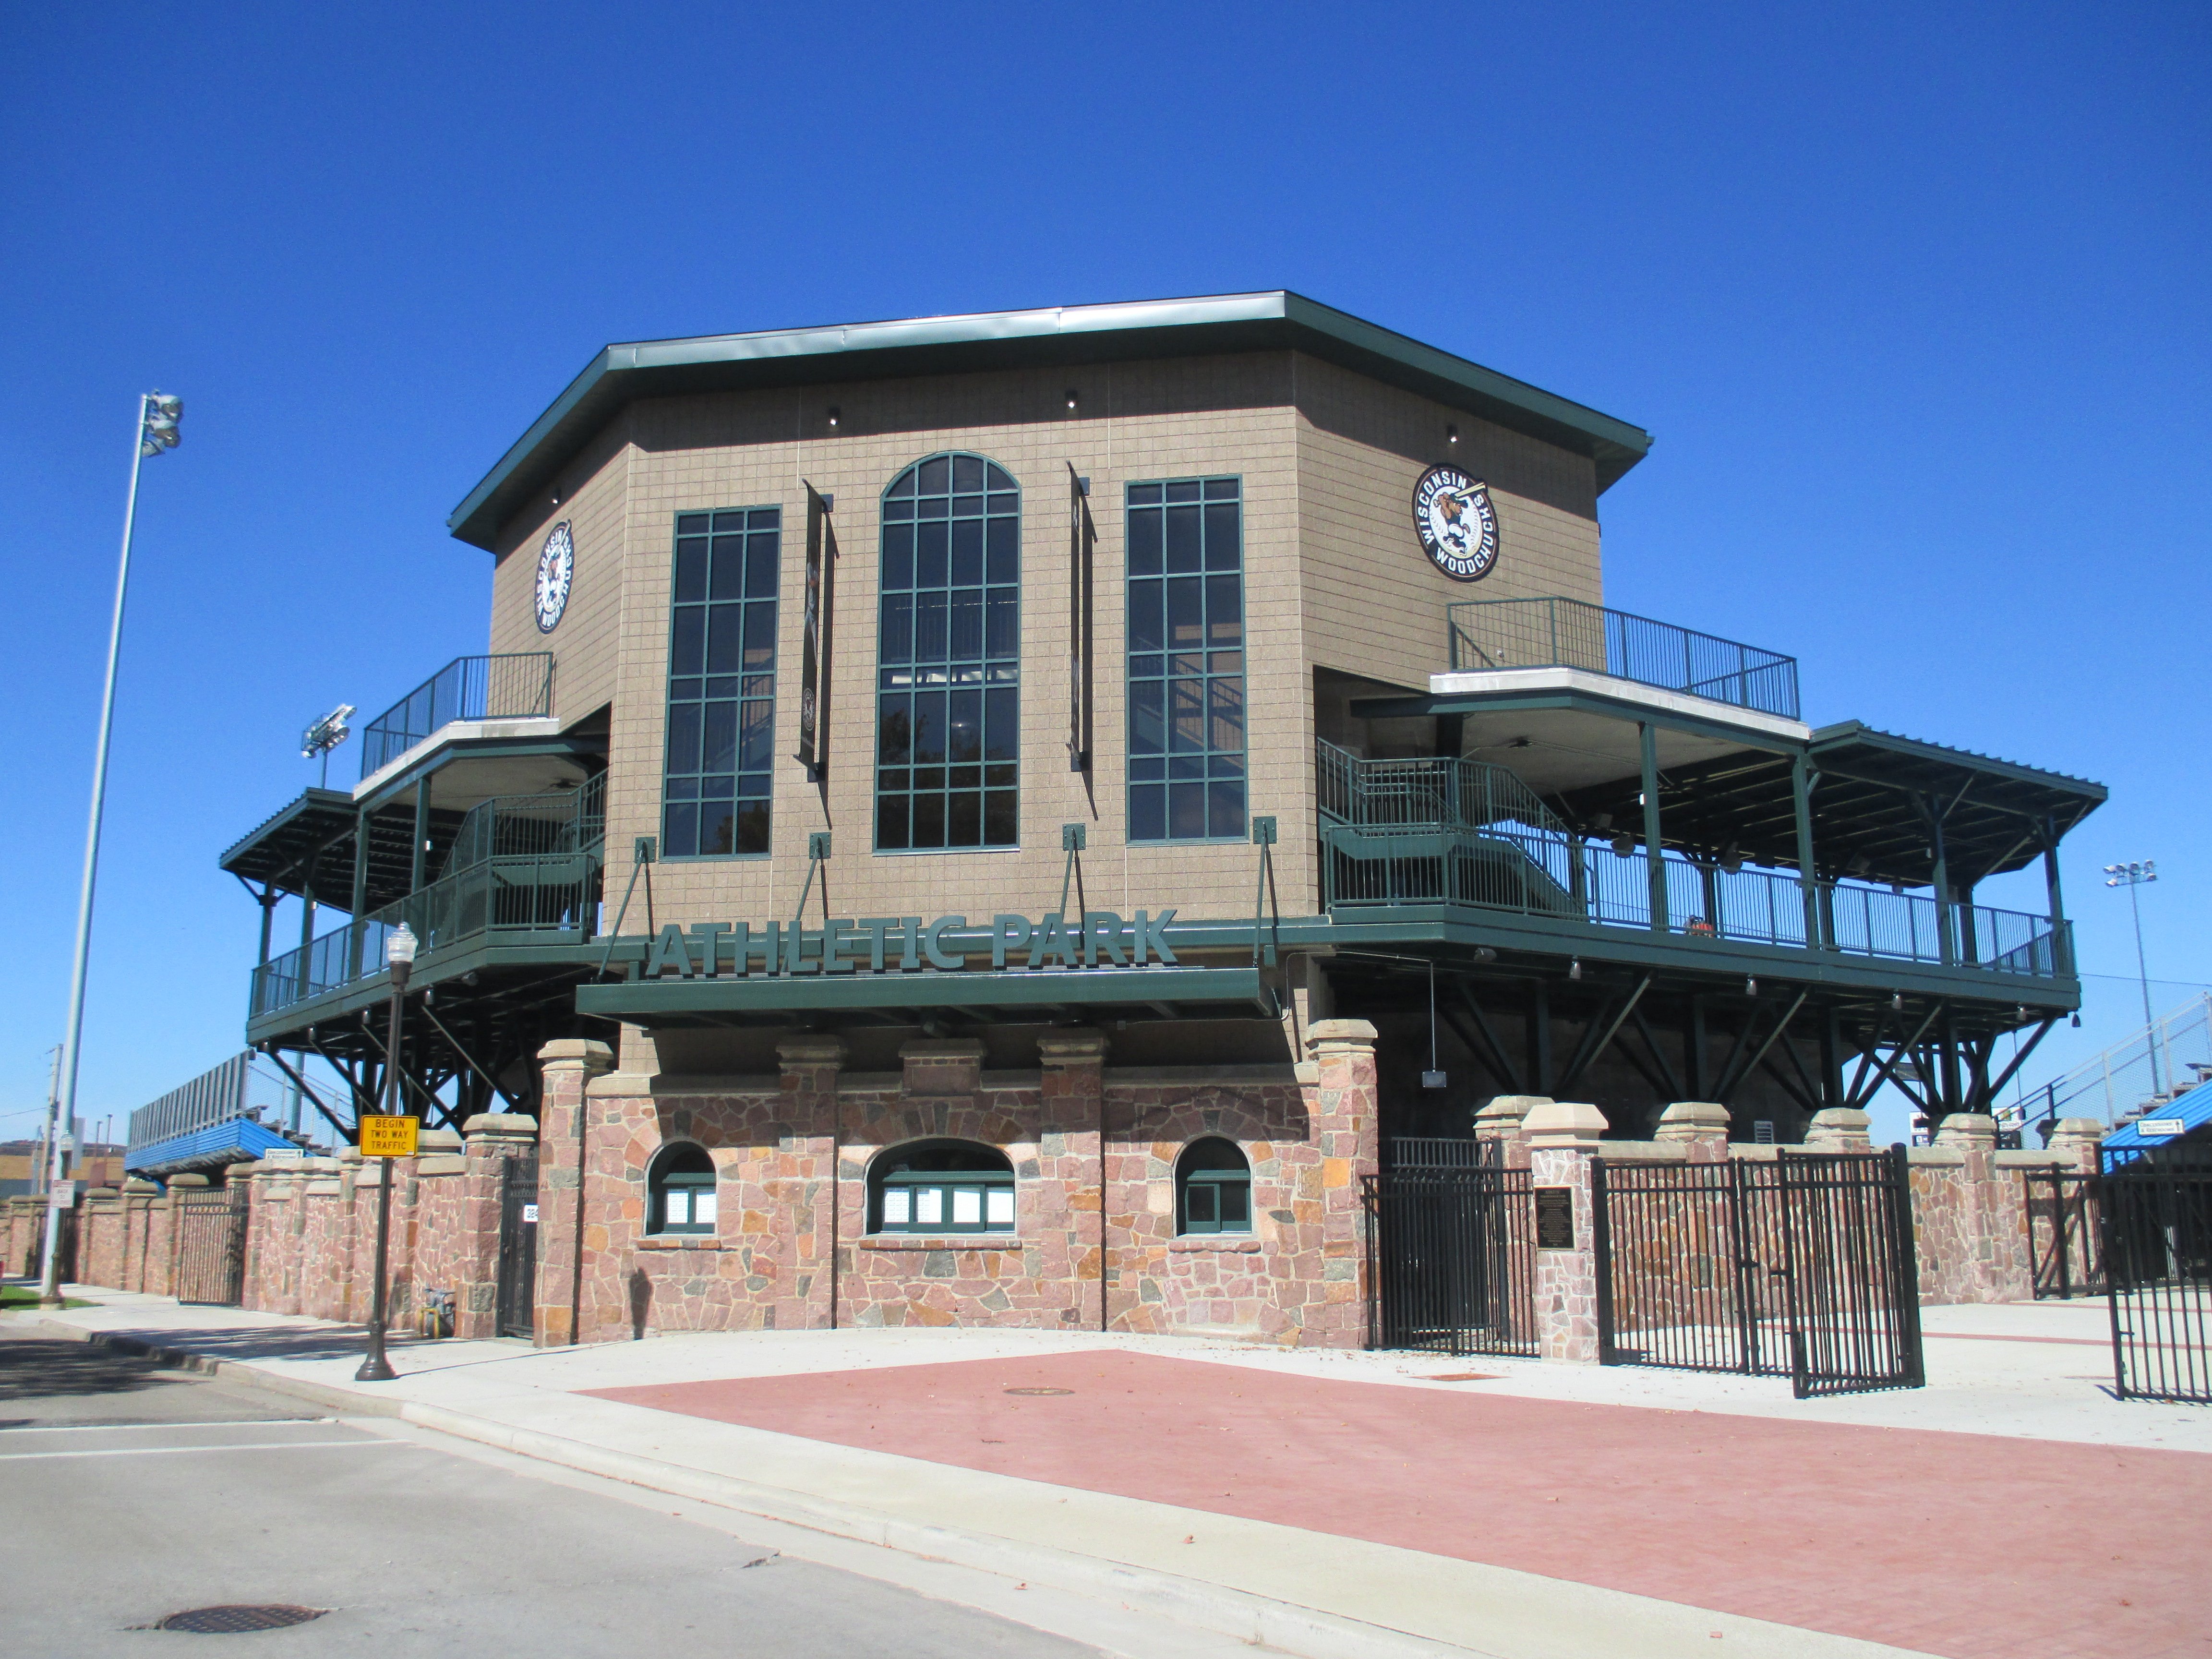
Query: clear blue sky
{"x":1913,"y":297}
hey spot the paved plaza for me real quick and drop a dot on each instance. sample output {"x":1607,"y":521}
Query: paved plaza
{"x":1346,"y":1502}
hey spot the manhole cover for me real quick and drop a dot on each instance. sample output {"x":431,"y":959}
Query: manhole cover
{"x":231,"y":1620}
{"x":1040,"y":1391}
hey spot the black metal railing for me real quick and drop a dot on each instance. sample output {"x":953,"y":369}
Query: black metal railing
{"x":2064,"y":1234}
{"x":1441,"y":830}
{"x":1429,"y":1154}
{"x":2157,"y":1236}
{"x":1802,"y":1267}
{"x":215,"y":1096}
{"x":1543,"y":633}
{"x":1452,"y":1261}
{"x":516,"y":685}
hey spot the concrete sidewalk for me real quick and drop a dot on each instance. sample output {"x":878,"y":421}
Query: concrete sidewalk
{"x":1310,"y":1546}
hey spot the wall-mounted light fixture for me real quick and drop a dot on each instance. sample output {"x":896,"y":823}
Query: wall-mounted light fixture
{"x":1451,"y":434}
{"x":1072,"y":398}
{"x":835,"y":415}
{"x":1575,"y":968}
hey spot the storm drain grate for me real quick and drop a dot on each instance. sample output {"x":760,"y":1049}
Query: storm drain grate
{"x":238,"y":1617}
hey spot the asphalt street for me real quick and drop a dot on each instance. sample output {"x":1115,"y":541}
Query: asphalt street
{"x":129,"y":1493}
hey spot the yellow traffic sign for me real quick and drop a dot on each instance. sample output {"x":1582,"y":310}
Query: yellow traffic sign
{"x":388,"y":1137}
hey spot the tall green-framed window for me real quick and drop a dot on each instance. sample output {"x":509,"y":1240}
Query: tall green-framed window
{"x":1186,"y":644}
{"x":721,"y":683}
{"x":948,"y":694}
{"x":1213,"y":1189}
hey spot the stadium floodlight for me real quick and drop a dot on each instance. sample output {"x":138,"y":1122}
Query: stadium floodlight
{"x":325,"y":735}
{"x":2132,"y":876}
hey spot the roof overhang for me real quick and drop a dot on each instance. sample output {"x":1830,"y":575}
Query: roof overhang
{"x":1206,"y":326}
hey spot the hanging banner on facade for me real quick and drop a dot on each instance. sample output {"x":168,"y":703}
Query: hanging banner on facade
{"x":814,"y":642}
{"x":1080,"y":538}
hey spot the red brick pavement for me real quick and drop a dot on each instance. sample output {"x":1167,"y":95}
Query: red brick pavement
{"x":1960,"y":1545}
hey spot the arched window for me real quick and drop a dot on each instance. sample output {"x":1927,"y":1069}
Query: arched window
{"x":680,"y":1191}
{"x":941,"y":1187}
{"x":948,"y":671}
{"x":1213,"y":1189}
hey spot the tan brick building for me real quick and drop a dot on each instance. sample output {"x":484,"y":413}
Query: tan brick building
{"x":1015,"y":818}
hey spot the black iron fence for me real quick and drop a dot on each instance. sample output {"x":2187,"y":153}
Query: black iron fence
{"x":211,"y":1246}
{"x":2157,"y":1241}
{"x":518,"y":1247}
{"x":1540,"y":633}
{"x":1452,"y":1261}
{"x":2065,"y":1233}
{"x":1801,"y":1268}
{"x":1426,"y":1154}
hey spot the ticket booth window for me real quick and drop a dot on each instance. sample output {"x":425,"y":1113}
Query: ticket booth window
{"x":1213,"y":1189}
{"x":948,"y":694}
{"x":1186,"y":597}
{"x":942,"y":1187}
{"x":721,"y":683}
{"x":681,"y":1190}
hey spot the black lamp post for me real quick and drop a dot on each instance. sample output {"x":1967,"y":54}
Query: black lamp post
{"x":399,"y":956}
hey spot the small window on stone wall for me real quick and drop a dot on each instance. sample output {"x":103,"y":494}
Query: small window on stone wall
{"x":681,"y":1190}
{"x":1213,"y":1189}
{"x":941,"y":1187}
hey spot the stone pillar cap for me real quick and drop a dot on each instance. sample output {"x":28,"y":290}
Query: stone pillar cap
{"x":941,"y":1049}
{"x":2077,"y":1132}
{"x":189,"y":1180}
{"x":1838,"y":1126}
{"x":1323,"y":1031}
{"x":1693,"y":1120}
{"x":103,"y":1192}
{"x":437,"y":1141}
{"x":1502,"y":1112}
{"x":1967,"y":1129}
{"x":500,"y":1126}
{"x":1075,"y":1045}
{"x":811,"y":1048}
{"x":1564,"y":1123}
{"x":137,"y":1184}
{"x":578,"y":1051}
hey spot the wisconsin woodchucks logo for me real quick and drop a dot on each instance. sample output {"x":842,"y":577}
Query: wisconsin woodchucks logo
{"x":1458,"y":528}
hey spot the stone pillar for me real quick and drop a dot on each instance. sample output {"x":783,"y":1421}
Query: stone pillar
{"x":804,"y":1196}
{"x":1563,"y":1141}
{"x":1344,"y":1129}
{"x":1996,"y":1217}
{"x":1501,"y":1118}
{"x":568,"y":1067}
{"x":489,"y":1142}
{"x":1700,"y":1126}
{"x":1073,"y":1060}
{"x":1839,"y":1129}
{"x":2077,"y":1140}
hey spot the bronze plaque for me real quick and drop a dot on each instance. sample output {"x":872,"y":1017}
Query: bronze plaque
{"x":1555,"y":1217}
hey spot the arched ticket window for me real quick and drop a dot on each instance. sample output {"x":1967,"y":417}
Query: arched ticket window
{"x":948,"y":680}
{"x":1213,"y":1189}
{"x":941,"y":1187}
{"x":680,"y":1191}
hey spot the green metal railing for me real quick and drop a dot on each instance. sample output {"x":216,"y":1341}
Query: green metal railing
{"x":1543,"y":633}
{"x":526,"y":872}
{"x":518,"y":685}
{"x":1460,"y":832}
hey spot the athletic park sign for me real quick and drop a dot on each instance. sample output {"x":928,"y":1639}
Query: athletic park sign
{"x":906,"y":944}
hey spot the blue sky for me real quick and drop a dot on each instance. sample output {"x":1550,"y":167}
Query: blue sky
{"x":1914,"y":298}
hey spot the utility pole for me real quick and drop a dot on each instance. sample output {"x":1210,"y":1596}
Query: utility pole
{"x":156,"y":433}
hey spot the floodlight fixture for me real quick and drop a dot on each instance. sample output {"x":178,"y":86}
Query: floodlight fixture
{"x":2132,"y":876}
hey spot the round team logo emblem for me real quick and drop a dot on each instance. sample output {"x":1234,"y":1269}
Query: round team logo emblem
{"x":1456,"y":524}
{"x":556,"y":569}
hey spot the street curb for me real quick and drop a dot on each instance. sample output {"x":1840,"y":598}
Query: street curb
{"x":231,"y":1371}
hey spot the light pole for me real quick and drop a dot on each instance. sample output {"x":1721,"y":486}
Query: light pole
{"x":158,"y":415}
{"x":2132,"y":876}
{"x":399,"y":956}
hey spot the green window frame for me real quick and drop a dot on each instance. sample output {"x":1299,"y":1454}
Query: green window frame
{"x":719,"y":763}
{"x":1187,"y":740}
{"x":1213,"y":1189}
{"x":680,"y":1191}
{"x":941,"y":1187}
{"x":948,"y":657}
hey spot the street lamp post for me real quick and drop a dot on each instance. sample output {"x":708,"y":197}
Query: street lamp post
{"x":399,"y":956}
{"x":2132,"y":876}
{"x":158,"y":414}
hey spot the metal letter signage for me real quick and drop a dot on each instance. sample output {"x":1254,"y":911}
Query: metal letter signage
{"x":1458,"y":527}
{"x":865,"y":944}
{"x":388,"y":1137}
{"x":556,"y":571}
{"x":1555,"y":1217}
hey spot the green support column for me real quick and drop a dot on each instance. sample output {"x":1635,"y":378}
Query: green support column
{"x":360,"y":888}
{"x":1655,"y":865}
{"x":421,"y":836}
{"x":2062,"y":947}
{"x":1801,"y":796}
{"x":1946,"y":949}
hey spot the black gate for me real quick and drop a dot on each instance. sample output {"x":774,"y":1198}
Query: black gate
{"x":2063,"y":1234}
{"x":211,"y":1247}
{"x":517,"y":1245}
{"x":1801,"y":1268}
{"x":1452,"y":1261}
{"x":2158,"y":1267}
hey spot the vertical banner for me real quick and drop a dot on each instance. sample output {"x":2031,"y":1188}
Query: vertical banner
{"x":814,"y":641}
{"x":1080,"y":537}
